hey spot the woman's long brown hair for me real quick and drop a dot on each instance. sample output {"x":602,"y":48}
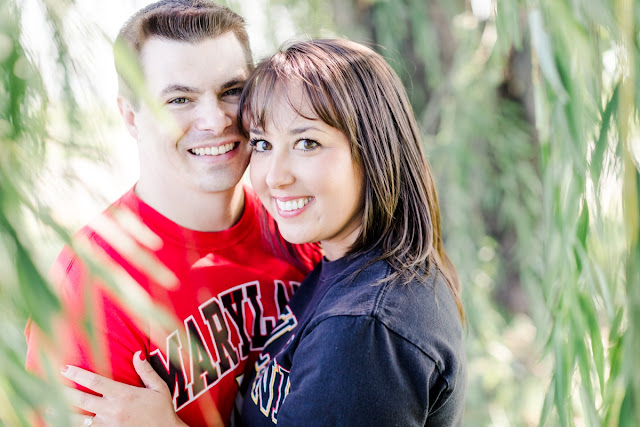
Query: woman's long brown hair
{"x":353,"y":89}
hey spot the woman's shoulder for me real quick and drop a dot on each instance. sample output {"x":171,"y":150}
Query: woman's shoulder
{"x":355,"y":289}
{"x":422,"y":312}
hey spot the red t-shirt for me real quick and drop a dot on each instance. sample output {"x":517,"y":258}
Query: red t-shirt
{"x":219,"y":294}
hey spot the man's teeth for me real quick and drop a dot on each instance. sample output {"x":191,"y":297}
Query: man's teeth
{"x":213,"y":151}
{"x":292,"y":205}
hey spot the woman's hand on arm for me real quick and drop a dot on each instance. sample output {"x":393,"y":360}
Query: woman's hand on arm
{"x":123,"y":404}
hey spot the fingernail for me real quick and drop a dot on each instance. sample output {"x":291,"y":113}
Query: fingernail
{"x":142,"y":357}
{"x":64,"y":369}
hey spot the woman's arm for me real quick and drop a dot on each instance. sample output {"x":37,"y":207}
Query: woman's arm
{"x":122,"y":404}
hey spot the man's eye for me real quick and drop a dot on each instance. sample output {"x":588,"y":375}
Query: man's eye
{"x":306,"y":144}
{"x":260,"y":145}
{"x":236,"y":91}
{"x":178,"y":101}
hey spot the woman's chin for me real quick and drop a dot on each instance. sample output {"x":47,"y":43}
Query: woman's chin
{"x":295,"y":237}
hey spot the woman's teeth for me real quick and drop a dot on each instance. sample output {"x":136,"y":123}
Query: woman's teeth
{"x":213,"y":151}
{"x":292,"y":205}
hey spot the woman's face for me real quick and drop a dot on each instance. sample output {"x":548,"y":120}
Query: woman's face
{"x":302,"y":170}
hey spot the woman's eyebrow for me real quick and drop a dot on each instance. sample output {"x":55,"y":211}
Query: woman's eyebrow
{"x":297,"y":131}
{"x":294,"y":131}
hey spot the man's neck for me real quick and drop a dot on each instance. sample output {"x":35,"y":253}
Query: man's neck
{"x":194,"y":210}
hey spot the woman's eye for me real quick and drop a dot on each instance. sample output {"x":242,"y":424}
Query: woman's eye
{"x":306,"y":144}
{"x":260,"y":145}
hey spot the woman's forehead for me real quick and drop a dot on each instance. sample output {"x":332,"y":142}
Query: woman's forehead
{"x":283,"y":103}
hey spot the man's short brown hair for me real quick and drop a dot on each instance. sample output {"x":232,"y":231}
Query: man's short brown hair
{"x":188,"y":21}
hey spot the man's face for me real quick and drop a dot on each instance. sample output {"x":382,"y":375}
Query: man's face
{"x":188,"y":138}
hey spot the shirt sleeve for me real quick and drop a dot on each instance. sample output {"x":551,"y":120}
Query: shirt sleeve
{"x":355,"y":371}
{"x":93,"y":330}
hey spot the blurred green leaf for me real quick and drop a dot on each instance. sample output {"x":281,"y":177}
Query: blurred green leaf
{"x":602,"y":142}
{"x":508,"y":108}
{"x":544,"y":52}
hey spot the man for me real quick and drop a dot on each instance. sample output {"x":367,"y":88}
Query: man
{"x":187,"y":236}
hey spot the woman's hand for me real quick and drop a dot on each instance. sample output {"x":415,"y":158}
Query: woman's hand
{"x":123,"y":404}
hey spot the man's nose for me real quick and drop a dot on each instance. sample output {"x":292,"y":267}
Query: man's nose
{"x":214,"y":116}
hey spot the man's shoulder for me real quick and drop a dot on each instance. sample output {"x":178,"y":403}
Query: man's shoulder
{"x":90,"y":236}
{"x":128,"y":200}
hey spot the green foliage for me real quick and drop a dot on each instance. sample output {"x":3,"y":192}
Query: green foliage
{"x":24,"y":288}
{"x":582,"y":119}
{"x":528,"y":118}
{"x":28,"y":137}
{"x":531,"y":128}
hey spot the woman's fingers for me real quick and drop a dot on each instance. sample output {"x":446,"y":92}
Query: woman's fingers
{"x":149,"y":377}
{"x":78,"y":420}
{"x":121,"y":404}
{"x":54,"y":417}
{"x":124,"y":405}
{"x":93,"y":382}
{"x":83,"y":400}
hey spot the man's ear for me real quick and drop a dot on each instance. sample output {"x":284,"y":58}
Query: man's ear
{"x":128,"y":113}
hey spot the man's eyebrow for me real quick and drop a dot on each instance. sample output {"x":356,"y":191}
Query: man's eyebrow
{"x":233,"y":82}
{"x":178,"y":88}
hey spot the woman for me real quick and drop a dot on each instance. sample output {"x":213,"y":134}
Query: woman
{"x":374,"y":334}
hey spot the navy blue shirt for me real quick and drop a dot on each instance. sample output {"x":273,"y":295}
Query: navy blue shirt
{"x":353,"y":352}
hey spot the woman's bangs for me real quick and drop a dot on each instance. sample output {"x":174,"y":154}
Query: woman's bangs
{"x":260,"y":97}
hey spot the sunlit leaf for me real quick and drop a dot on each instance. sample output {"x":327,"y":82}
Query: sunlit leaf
{"x":544,"y":51}
{"x":602,"y":143}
